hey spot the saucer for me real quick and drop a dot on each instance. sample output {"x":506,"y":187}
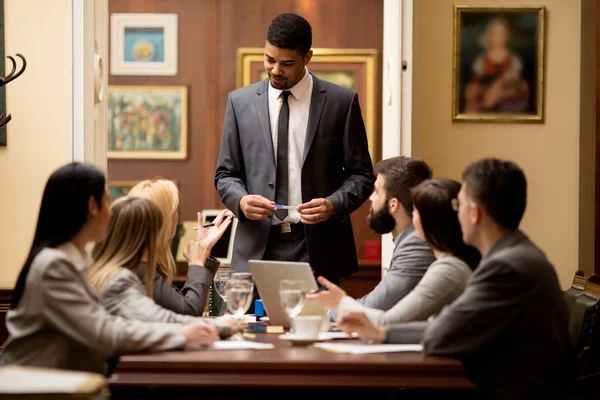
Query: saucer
{"x":300,"y":341}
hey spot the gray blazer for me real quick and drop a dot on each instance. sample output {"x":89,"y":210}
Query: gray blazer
{"x":442,"y":283}
{"x":412,"y":256}
{"x":191,"y":299}
{"x":335,"y":165}
{"x":125,"y":296}
{"x":59,"y":322}
{"x":509,"y":327}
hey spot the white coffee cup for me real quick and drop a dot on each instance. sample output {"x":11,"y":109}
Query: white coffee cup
{"x":307,"y":326}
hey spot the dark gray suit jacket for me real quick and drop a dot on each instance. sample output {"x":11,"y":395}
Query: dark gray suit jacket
{"x":509,"y":327}
{"x":336,"y":165}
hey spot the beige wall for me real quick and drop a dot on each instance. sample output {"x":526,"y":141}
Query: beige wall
{"x":39,"y":133}
{"x":548,"y":152}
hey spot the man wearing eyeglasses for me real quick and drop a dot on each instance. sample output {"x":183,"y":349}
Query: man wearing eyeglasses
{"x":509,"y":327}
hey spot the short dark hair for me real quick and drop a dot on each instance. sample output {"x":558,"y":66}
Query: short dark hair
{"x":500,"y":187}
{"x":401,"y":175}
{"x":290,"y":31}
{"x":433,"y":199}
{"x":63,"y":212}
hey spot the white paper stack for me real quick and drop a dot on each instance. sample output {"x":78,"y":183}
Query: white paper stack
{"x":361,"y":348}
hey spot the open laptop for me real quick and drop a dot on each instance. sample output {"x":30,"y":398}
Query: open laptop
{"x":268,"y":274}
{"x":222,"y":250}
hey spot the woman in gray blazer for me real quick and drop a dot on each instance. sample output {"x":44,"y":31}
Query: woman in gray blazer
{"x":55,"y":319}
{"x":445,"y":279}
{"x":191,"y":299}
{"x":132,"y":235}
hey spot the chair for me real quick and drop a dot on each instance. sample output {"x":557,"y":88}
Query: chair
{"x":585,"y":331}
{"x":576,"y":289}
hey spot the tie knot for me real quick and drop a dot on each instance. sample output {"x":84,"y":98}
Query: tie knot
{"x":284,"y":95}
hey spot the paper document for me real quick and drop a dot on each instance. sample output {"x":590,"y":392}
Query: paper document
{"x":240,"y":345}
{"x":336,"y":335}
{"x":361,"y":348}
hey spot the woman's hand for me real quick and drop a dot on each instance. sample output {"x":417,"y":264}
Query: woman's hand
{"x":198,"y":251}
{"x":357,"y":321}
{"x":199,"y":334}
{"x":329,"y":298}
{"x":236,"y":325}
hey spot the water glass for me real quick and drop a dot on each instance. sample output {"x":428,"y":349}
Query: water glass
{"x":292,"y":294}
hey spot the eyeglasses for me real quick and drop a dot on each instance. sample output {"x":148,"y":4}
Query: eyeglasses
{"x":455,"y":204}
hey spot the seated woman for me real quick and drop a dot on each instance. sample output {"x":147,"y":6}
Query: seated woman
{"x":201,"y":270}
{"x":55,"y":319}
{"x":437,"y":223}
{"x":132,"y":235}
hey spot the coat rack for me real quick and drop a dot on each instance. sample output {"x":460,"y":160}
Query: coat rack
{"x":11,"y":77}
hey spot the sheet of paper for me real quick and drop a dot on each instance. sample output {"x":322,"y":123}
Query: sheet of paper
{"x":336,"y":335}
{"x":361,"y":348}
{"x":240,"y":345}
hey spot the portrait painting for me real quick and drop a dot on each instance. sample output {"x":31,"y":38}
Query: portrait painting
{"x":498,"y":64}
{"x":355,"y":69}
{"x":147,"y":122}
{"x":143,"y":44}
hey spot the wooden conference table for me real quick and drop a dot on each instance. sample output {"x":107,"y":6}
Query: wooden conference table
{"x":283,"y":368}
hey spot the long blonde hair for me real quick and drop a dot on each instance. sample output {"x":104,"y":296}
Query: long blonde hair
{"x":133,"y":229}
{"x":165,"y":195}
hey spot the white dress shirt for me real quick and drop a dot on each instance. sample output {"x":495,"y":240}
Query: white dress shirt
{"x":299,"y":104}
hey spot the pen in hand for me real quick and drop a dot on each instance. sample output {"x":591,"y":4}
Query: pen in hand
{"x":212,"y":224}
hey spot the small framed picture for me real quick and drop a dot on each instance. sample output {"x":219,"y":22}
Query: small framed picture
{"x":147,"y":122}
{"x":143,"y":44}
{"x":498,"y":64}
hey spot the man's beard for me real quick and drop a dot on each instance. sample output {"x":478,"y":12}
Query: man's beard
{"x":381,"y":221}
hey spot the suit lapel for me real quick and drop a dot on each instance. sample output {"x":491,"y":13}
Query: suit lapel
{"x":261,"y":104}
{"x":317,"y":103}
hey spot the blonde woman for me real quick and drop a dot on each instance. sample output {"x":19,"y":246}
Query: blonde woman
{"x":55,"y":320}
{"x":202,"y":268}
{"x":132,"y":236}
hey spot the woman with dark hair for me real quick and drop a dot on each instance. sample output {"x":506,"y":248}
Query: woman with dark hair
{"x":55,"y":319}
{"x":436,"y":222}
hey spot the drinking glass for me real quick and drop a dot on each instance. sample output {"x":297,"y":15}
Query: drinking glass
{"x":292,"y":294}
{"x":239,"y":298}
{"x":221,"y":278}
{"x":244,"y":276}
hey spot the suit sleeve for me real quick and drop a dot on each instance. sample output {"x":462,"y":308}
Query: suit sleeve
{"x":230,"y":176}
{"x":191,"y":299}
{"x":490,"y":302}
{"x":358,"y":168}
{"x":409,"y":264}
{"x":71,"y":310}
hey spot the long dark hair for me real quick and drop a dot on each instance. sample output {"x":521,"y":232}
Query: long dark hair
{"x":63,"y":212}
{"x":433,"y":200}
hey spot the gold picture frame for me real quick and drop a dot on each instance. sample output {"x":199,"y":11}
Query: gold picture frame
{"x":147,"y":122}
{"x":353,"y":68}
{"x":498,"y":64}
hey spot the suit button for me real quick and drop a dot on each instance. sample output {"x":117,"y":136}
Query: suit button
{"x":271,"y":185}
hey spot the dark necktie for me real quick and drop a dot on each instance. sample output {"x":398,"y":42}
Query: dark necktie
{"x":281,"y":191}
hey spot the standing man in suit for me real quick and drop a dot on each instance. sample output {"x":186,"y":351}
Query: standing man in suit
{"x":509,"y":327}
{"x":296,"y":140}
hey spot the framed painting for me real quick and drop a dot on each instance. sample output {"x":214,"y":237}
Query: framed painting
{"x":147,"y":122}
{"x":143,"y":44}
{"x":354,"y":69}
{"x":498,"y":64}
{"x":118,"y":189}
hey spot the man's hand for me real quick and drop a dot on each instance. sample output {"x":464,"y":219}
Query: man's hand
{"x":330,"y":298}
{"x":357,"y":321}
{"x":315,"y":211}
{"x":256,"y":207}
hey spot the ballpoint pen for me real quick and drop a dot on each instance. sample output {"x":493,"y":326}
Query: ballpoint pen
{"x":212,"y":224}
{"x":283,"y":207}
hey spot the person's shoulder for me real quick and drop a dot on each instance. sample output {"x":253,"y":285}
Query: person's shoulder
{"x":246,"y":91}
{"x":335,"y":89}
{"x":50,"y":259}
{"x":451,"y":261}
{"x":121,"y":282}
